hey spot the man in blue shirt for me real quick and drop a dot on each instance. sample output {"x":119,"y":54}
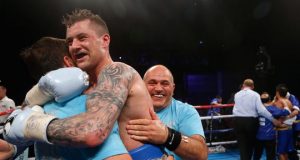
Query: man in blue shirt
{"x":213,"y":124}
{"x":266,"y":134}
{"x":176,"y":119}
{"x":215,"y":101}
{"x":296,"y":126}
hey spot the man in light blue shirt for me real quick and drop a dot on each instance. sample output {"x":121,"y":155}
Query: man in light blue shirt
{"x":247,"y":108}
{"x":178,"y":127}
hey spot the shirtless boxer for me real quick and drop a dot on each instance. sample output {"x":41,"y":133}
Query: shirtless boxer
{"x":114,"y":87}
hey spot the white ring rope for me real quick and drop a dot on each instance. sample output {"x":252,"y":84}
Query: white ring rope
{"x":222,"y":142}
{"x":217,"y":117}
{"x":211,"y":117}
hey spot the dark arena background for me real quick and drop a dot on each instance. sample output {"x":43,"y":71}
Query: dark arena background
{"x":211,"y":46}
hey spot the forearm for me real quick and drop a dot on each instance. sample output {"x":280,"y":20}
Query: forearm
{"x":87,"y":129}
{"x":84,"y":130}
{"x":294,"y":113}
{"x":193,"y":147}
{"x":78,"y":131}
{"x":65,"y":132}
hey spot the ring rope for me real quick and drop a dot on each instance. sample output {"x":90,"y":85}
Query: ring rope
{"x":214,"y":106}
{"x":216,"y":117}
{"x":219,"y":130}
{"x":6,"y":112}
{"x":202,"y":118}
{"x":222,"y":142}
{"x":211,"y":117}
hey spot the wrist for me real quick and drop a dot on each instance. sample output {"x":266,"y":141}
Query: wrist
{"x":37,"y":96}
{"x":173,"y":139}
{"x":166,"y":135}
{"x":39,"y":132}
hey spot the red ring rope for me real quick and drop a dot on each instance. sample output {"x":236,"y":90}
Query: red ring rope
{"x":214,"y":106}
{"x":6,"y":112}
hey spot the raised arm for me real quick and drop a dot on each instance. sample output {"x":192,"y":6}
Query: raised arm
{"x":88,"y":129}
{"x":104,"y":105}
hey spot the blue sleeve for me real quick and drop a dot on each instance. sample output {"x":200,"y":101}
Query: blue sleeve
{"x":276,"y":112}
{"x":294,"y":100}
{"x":261,"y":109}
{"x":190,"y":122}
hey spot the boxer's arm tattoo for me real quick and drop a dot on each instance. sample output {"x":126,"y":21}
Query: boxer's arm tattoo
{"x":104,"y":105}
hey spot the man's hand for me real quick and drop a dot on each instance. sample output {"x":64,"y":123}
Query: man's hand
{"x":6,"y":150}
{"x":153,"y":131}
{"x":276,"y":123}
{"x":167,"y":157}
{"x":24,"y":126}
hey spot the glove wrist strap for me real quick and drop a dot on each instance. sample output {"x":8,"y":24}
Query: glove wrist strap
{"x":37,"y":96}
{"x":36,"y":128}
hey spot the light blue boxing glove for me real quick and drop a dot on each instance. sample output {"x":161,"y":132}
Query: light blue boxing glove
{"x":62,"y":84}
{"x":24,"y":126}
